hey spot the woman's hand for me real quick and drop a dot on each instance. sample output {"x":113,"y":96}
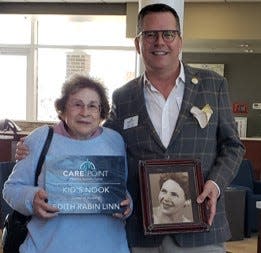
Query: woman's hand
{"x":41,"y":208}
{"x":21,"y":150}
{"x":127,"y":210}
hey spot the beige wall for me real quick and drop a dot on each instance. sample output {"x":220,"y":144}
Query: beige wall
{"x":222,"y":20}
{"x":230,"y":21}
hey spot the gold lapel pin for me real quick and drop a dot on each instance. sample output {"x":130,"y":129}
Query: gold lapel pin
{"x":194,"y":80}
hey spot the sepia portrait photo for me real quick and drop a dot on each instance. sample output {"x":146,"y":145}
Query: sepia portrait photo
{"x":171,"y":201}
{"x":169,"y":189}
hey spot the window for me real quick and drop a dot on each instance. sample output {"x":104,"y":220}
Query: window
{"x":13,"y":86}
{"x":16,"y":29}
{"x":59,"y":46}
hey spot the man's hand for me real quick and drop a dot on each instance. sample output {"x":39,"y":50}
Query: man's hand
{"x":41,"y":208}
{"x":21,"y":150}
{"x":211,"y":194}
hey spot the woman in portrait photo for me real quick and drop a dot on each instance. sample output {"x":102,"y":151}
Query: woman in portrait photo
{"x":174,"y":199}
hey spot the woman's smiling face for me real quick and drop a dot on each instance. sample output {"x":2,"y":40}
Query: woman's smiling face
{"x":171,"y":197}
{"x":82,"y":114}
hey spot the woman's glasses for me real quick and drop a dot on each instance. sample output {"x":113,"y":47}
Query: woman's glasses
{"x":92,"y":107}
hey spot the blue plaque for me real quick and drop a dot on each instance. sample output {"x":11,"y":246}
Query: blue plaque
{"x":86,"y":184}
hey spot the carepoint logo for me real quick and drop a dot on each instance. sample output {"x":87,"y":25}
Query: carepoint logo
{"x":90,"y":170}
{"x":87,"y":165}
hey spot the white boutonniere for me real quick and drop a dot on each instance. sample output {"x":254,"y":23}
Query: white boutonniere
{"x":203,"y":115}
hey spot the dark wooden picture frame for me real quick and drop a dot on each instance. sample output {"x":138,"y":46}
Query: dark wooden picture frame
{"x":191,"y":181}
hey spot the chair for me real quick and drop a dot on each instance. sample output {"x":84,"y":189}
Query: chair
{"x":235,"y":201}
{"x":5,"y":170}
{"x":245,"y":180}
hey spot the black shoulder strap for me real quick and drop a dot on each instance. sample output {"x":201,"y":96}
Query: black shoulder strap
{"x":43,"y":154}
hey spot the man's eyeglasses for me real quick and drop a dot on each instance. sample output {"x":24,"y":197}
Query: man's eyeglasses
{"x":92,"y":107}
{"x":152,"y":36}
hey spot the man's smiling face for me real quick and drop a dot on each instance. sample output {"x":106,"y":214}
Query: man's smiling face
{"x":159,"y":55}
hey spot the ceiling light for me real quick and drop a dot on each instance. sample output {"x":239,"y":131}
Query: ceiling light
{"x":249,"y":51}
{"x":244,"y":45}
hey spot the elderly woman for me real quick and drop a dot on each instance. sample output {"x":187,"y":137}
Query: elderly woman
{"x":82,"y":107}
{"x":174,"y":199}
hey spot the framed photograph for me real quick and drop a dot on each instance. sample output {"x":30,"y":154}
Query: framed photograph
{"x":219,"y":68}
{"x":169,"y":189}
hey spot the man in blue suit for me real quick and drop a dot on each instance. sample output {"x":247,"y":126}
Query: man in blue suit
{"x":173,"y":111}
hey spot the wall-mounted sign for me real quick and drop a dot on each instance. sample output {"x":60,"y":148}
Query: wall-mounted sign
{"x":219,"y":68}
{"x":241,"y":126}
{"x":241,"y":108}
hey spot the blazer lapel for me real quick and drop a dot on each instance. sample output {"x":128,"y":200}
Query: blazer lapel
{"x":192,"y":83}
{"x":144,"y":119}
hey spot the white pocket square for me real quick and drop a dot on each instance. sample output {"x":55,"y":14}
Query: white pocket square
{"x":202,"y":115}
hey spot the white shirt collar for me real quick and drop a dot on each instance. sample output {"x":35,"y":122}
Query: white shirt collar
{"x":181,"y":77}
{"x":164,"y":112}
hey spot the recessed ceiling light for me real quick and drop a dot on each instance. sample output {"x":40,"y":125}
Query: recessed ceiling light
{"x":249,"y":51}
{"x":245,"y":45}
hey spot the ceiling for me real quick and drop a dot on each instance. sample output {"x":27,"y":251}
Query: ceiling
{"x":127,"y":1}
{"x":197,"y":45}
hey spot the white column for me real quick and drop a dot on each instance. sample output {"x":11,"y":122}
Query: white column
{"x":177,"y":5}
